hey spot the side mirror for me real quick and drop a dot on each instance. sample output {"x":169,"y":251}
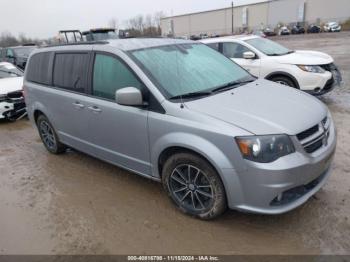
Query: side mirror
{"x":249,"y":55}
{"x":129,"y":96}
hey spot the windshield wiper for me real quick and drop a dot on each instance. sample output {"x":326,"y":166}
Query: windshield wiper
{"x":231,"y":85}
{"x":191,"y":95}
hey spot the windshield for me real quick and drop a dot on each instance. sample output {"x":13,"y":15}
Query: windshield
{"x":268,"y":47}
{"x":24,"y":51}
{"x":187,"y":68}
{"x":104,"y":36}
{"x":9,"y":71}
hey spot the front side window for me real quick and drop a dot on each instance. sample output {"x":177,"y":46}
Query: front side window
{"x":71,"y":70}
{"x":181,"y":69}
{"x":268,"y":47}
{"x":10,"y":53}
{"x":234,"y":50}
{"x":110,"y":75}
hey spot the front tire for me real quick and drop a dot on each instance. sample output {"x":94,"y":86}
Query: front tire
{"x":194,"y":186}
{"x":283,"y":80}
{"x":49,"y":137}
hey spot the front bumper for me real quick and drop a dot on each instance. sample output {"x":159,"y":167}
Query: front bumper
{"x":285,"y":184}
{"x":5,"y":107}
{"x":333,"y":81}
{"x":10,"y":109}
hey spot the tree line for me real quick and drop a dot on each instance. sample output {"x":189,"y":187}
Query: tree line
{"x":144,"y":25}
{"x":7,"y":39}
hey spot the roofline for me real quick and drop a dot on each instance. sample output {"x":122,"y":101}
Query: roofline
{"x":228,"y":38}
{"x":20,"y":46}
{"x":77,"y":44}
{"x":218,"y":9}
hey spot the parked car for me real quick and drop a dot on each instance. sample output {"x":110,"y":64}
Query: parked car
{"x":195,"y":37}
{"x":269,"y":32}
{"x":100,"y":34}
{"x":203,"y":36}
{"x":298,"y":29}
{"x":12,"y":104}
{"x":332,"y":27}
{"x":310,"y":71}
{"x":180,"y":113}
{"x":284,"y":31}
{"x":17,"y":55}
{"x":259,"y":33}
{"x":313,"y":29}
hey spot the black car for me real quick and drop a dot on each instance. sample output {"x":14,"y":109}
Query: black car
{"x":269,"y":32}
{"x":195,"y":37}
{"x":17,"y":55}
{"x":313,"y":29}
{"x":297,"y":29}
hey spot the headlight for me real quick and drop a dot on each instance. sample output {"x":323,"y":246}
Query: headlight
{"x":265,"y":149}
{"x":312,"y":68}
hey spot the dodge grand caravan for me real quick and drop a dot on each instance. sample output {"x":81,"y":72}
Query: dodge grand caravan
{"x":183,"y":114}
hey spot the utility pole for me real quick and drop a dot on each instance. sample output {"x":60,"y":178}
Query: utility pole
{"x":233,"y":31}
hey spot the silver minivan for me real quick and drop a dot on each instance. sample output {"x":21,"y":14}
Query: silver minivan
{"x":180,"y":113}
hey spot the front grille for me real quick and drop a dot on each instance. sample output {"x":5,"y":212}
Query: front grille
{"x":329,"y":85}
{"x":308,"y":133}
{"x":329,"y":67}
{"x":315,"y":137}
{"x":314,"y":146}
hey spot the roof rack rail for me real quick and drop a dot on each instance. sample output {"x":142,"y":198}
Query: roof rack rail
{"x":76,"y":34}
{"x":80,"y":43}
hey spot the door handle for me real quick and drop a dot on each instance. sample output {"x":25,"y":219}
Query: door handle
{"x":78,"y":105}
{"x":95,"y":109}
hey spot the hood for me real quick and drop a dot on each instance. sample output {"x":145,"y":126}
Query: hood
{"x":305,"y":58}
{"x":10,"y":84}
{"x":263,"y":107}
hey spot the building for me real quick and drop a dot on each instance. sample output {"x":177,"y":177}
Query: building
{"x":269,"y":13}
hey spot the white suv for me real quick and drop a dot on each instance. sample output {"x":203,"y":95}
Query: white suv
{"x":310,"y":71}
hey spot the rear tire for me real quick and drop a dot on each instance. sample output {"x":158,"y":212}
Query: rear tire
{"x":49,"y":137}
{"x":194,"y":186}
{"x":283,"y":80}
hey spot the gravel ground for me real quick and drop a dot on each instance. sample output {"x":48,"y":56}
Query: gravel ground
{"x":75,"y":204}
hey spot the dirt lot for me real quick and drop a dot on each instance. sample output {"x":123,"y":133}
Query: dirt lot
{"x":75,"y":204}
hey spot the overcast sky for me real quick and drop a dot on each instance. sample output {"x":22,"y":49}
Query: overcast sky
{"x":44,"y":18}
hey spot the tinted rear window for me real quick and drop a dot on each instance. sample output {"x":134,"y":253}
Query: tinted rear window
{"x":71,"y":70}
{"x":39,"y":69}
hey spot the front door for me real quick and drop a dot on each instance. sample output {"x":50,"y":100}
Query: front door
{"x":118,"y":133}
{"x":235,"y":52}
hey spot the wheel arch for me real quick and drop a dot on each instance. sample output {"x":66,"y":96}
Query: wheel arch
{"x":36,"y":114}
{"x":169,"y":151}
{"x":179,"y":142}
{"x":228,"y":176}
{"x":284,"y":74}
